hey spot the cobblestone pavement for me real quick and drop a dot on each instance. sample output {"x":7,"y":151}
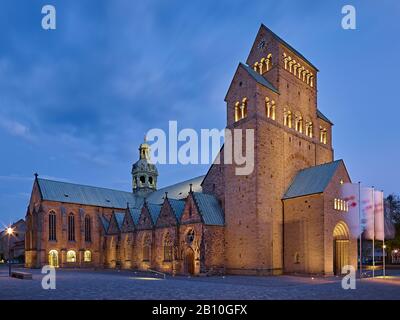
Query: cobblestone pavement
{"x":111,"y":284}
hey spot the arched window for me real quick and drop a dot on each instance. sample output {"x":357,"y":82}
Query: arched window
{"x":244,"y":108}
{"x":71,"y":227}
{"x":285,"y":117}
{"x":285,"y":60}
{"x":87,"y":256}
{"x":52,"y":226}
{"x":288,"y":119}
{"x":88,"y":229}
{"x":322,"y":135}
{"x":270,"y":108}
{"x":168,"y":247}
{"x":190,"y":237}
{"x":146,"y":248}
{"x":71,"y":256}
{"x":312,"y":81}
{"x":237,"y":111}
{"x":268,"y":62}
{"x":53,"y":258}
{"x":298,"y":123}
{"x":255,"y":67}
{"x":309,"y":129}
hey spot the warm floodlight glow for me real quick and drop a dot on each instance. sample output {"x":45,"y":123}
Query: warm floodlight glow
{"x":10,"y":231}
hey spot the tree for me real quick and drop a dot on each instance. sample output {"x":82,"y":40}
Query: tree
{"x":392,"y":222}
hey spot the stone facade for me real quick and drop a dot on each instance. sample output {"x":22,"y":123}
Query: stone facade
{"x":251,"y":228}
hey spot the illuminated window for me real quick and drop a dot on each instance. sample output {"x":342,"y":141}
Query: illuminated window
{"x":298,"y":123}
{"x":341,"y":205}
{"x":71,"y":256}
{"x":87,"y":256}
{"x":168,"y":245}
{"x":241,"y":109}
{"x":270,"y":108}
{"x":71,"y":227}
{"x":309,"y":129}
{"x":53,"y":258}
{"x":322,"y":135}
{"x":52,"y":226}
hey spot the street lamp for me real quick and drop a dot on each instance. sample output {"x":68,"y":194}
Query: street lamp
{"x":10,"y":232}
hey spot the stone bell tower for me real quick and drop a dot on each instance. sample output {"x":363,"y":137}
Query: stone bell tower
{"x":144,"y":173}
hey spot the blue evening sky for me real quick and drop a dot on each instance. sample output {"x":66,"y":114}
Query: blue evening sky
{"x":76,"y":102}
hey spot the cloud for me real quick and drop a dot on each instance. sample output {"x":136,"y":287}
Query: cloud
{"x":16,"y":128}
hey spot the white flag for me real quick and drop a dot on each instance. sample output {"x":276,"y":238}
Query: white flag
{"x":379,"y":218}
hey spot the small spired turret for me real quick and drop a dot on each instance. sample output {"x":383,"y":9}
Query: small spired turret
{"x":144,"y":173}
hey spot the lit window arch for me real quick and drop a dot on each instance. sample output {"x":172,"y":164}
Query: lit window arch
{"x":237,"y":111}
{"x":53,"y":258}
{"x":71,"y":256}
{"x":309,"y":129}
{"x":323,"y":135}
{"x":298,"y":122}
{"x":87,"y":256}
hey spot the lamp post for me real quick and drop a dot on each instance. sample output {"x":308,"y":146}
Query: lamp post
{"x":9,"y":232}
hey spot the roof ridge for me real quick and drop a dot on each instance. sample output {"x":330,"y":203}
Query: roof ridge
{"x":83,"y":185}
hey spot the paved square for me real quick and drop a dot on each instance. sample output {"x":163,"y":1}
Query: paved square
{"x":111,"y":284}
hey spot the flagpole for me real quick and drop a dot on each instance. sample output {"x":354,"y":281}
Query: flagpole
{"x":359,"y":222}
{"x":383,"y":245}
{"x":373,"y":236}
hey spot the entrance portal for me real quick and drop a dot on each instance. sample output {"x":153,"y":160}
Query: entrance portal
{"x":340,"y":247}
{"x":53,"y":258}
{"x":189,"y":261}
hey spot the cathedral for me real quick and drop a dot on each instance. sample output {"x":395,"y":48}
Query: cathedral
{"x":287,"y":216}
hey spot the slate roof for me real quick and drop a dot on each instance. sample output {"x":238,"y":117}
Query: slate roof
{"x":119,"y":216}
{"x":176,"y":191}
{"x":323,"y":117}
{"x":177,"y":206}
{"x":154,"y":210}
{"x":209,"y":208}
{"x":105,"y":223}
{"x":312,"y":180}
{"x":259,"y":78}
{"x":288,"y":46}
{"x":135,"y":214}
{"x":86,"y":195}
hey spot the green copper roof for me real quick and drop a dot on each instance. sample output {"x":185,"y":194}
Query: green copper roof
{"x":177,"y":206}
{"x":312,"y":180}
{"x":176,"y":191}
{"x":86,"y":195}
{"x":259,"y":78}
{"x":209,"y":208}
{"x":154,"y":210}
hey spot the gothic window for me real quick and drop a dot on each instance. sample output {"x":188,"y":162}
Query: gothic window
{"x":71,"y":227}
{"x":168,"y":247}
{"x":87,"y":256}
{"x":52,"y":226}
{"x":190,"y":237}
{"x":88,"y":229}
{"x":323,"y":135}
{"x":71,"y":256}
{"x":146,"y":248}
